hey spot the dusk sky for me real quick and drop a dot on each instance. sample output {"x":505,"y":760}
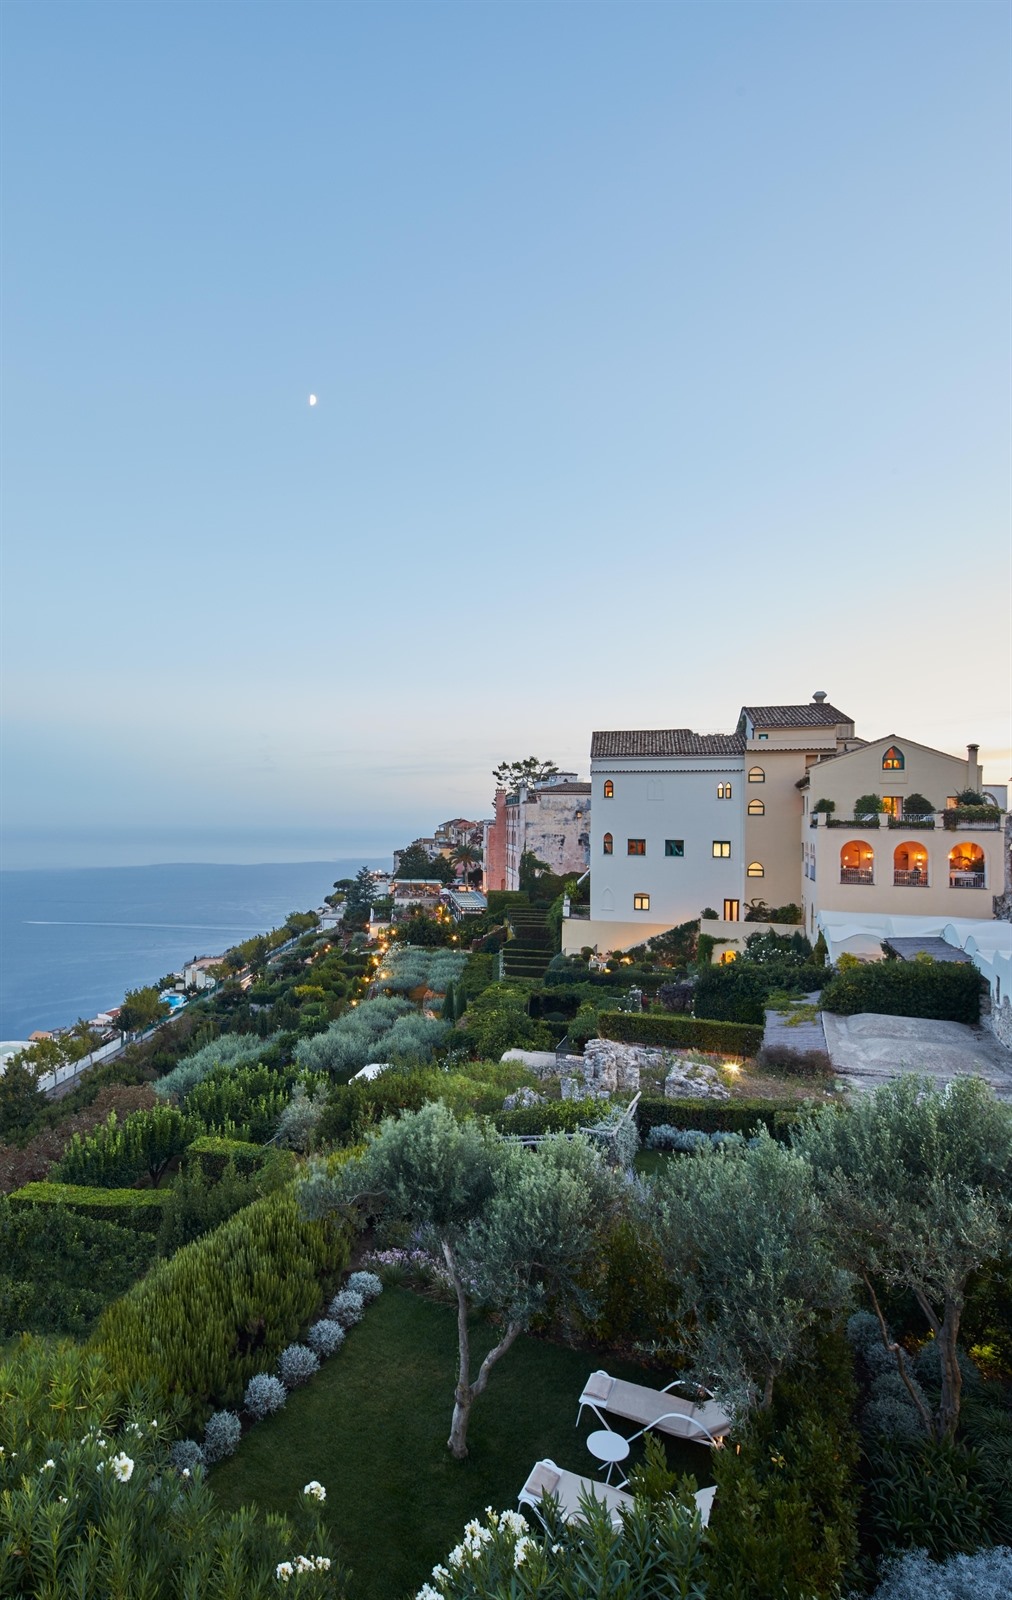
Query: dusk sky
{"x":662,"y":356}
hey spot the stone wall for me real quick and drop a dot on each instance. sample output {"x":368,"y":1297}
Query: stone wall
{"x":608,"y":1066}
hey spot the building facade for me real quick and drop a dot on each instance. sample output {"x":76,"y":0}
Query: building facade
{"x":551,"y":820}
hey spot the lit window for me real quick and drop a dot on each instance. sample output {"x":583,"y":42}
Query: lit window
{"x":950,"y":801}
{"x":893,"y":760}
{"x":731,"y":910}
{"x":608,"y":844}
{"x":674,"y":847}
{"x":722,"y":847}
{"x":609,"y":789}
{"x":641,"y":902}
{"x":636,"y":847}
{"x":756,"y":869}
{"x":723,"y":791}
{"x":892,"y":805}
{"x":756,"y":775}
{"x":757,"y":808}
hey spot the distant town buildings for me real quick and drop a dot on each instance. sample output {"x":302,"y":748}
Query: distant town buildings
{"x":550,"y":820}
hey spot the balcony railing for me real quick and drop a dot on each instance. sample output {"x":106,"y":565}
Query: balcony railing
{"x":910,"y":878}
{"x":966,"y":880}
{"x":856,"y":875}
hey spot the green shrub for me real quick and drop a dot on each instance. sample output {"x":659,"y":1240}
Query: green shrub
{"x":783,"y":1062}
{"x":717,"y":1116}
{"x":674,"y":1033}
{"x":630,"y":1291}
{"x":946,"y":990}
{"x":197,"y":1202}
{"x":927,"y":1494}
{"x":145,"y":1142}
{"x":555,"y":1116}
{"x":201,"y":1324}
{"x":250,"y":1098}
{"x":139,"y":1209}
{"x":212,"y":1153}
{"x":59,"y":1267}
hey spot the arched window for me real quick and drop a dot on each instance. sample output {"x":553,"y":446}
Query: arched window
{"x":756,"y":775}
{"x":910,"y":866}
{"x":857,"y":862}
{"x":893,"y":760}
{"x":757,"y":808}
{"x":723,"y":791}
{"x":607,"y":844}
{"x":967,"y":867}
{"x":607,"y":901}
{"x":756,"y":869}
{"x":609,"y":789}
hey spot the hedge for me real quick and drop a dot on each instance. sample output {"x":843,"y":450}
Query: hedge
{"x":680,"y":1033}
{"x":555,"y":1116}
{"x":223,"y":1308}
{"x":946,"y":991}
{"x":212,"y":1154}
{"x":738,"y":992}
{"x":139,"y":1209}
{"x":716,"y":1116}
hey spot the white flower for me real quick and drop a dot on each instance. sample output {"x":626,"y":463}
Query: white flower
{"x":323,"y":1563}
{"x":186,"y":1472}
{"x":523,"y":1544}
{"x":316,"y":1491}
{"x":556,"y":1549}
{"x":283,"y":1571}
{"x":303,"y":1564}
{"x":62,"y":1499}
{"x":122,"y":1466}
{"x":440,"y":1574}
{"x":427,"y":1592}
{"x":47,"y":1464}
{"x":514,"y":1522}
{"x":456,"y":1556}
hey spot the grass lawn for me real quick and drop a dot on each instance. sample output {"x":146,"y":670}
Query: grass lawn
{"x":372,"y":1427}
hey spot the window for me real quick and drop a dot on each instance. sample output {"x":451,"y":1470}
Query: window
{"x":950,"y":801}
{"x":757,"y":808}
{"x":607,"y":845}
{"x":636,"y":847}
{"x":727,"y":956}
{"x":857,"y":862}
{"x":762,"y":736}
{"x":674,"y":847}
{"x":609,"y":789}
{"x":756,"y":869}
{"x":756,"y":775}
{"x":731,"y":910}
{"x":722,"y":847}
{"x":723,"y":791}
{"x":641,"y":902}
{"x":893,"y":760}
{"x":655,"y":789}
{"x":892,"y":805}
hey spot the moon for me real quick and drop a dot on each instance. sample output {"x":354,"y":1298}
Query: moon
{"x":312,"y":399}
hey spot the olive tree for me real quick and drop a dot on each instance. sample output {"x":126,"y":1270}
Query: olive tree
{"x":918,"y":1185}
{"x":744,"y":1239}
{"x":515,"y":1228}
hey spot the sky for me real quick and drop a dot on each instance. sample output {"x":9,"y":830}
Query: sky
{"x":662,"y":355}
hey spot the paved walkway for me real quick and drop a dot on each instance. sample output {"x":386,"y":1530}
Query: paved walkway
{"x":870,"y":1049}
{"x":803,"y":1036}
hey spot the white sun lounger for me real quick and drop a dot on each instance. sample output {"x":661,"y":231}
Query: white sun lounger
{"x":654,"y":1408}
{"x":546,"y":1478}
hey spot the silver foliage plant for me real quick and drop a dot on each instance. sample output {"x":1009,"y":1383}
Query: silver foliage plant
{"x":186,"y":1454}
{"x":231,"y":1050}
{"x":367,"y":1284}
{"x":297,"y":1364}
{"x":325,"y":1337}
{"x":299,"y":1120}
{"x":347,"y":1308}
{"x":222,"y":1435}
{"x":264,"y":1395}
{"x":986,"y":1575}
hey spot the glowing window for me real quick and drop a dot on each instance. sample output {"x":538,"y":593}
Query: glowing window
{"x":722,"y":847}
{"x":608,"y":844}
{"x":609,"y":789}
{"x":757,"y":808}
{"x":641,"y":902}
{"x":756,"y":869}
{"x":893,"y":760}
{"x":636,"y":847}
{"x":732,"y":909}
{"x":756,"y":775}
{"x":723,"y":791}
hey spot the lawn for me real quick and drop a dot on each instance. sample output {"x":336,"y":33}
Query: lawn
{"x":372,"y":1427}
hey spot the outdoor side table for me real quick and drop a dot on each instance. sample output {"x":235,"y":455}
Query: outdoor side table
{"x":608,"y":1446}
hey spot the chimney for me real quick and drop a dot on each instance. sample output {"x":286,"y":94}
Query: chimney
{"x":818,"y":697}
{"x":972,"y":777}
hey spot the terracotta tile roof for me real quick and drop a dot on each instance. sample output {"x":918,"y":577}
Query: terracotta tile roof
{"x":810,"y":716}
{"x":666,"y":742}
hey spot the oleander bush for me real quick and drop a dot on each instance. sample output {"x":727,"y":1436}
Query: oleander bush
{"x":297,"y":1364}
{"x":201,"y":1324}
{"x":927,"y":1494}
{"x":221,"y":1436}
{"x":554,"y":1116}
{"x":196,"y":1204}
{"x":948,"y":991}
{"x":347,"y":1308}
{"x":325,"y":1337}
{"x":368,"y":1284}
{"x":675,"y":1032}
{"x":264,"y":1395}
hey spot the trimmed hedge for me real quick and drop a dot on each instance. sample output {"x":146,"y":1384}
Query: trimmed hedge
{"x":212,"y":1154}
{"x":716,"y":1116}
{"x":556,"y":1116}
{"x":139,"y":1209}
{"x":946,"y":991}
{"x":738,"y":992}
{"x":674,"y":1033}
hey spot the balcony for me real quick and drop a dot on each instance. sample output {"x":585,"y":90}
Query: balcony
{"x":913,"y":878}
{"x":966,"y":880}
{"x":857,"y":875}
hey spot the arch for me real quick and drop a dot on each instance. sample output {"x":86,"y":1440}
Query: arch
{"x":757,"y":808}
{"x":755,"y":869}
{"x":967,"y":867}
{"x":893,"y":760}
{"x":857,"y":862}
{"x":723,"y":791}
{"x":609,"y":789}
{"x":607,"y":901}
{"x":910,"y":865}
{"x":607,"y":845}
{"x":756,"y":775}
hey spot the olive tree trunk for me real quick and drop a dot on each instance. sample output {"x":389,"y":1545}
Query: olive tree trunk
{"x":467,"y":1392}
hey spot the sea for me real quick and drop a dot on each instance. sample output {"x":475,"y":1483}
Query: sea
{"x":73,"y":941}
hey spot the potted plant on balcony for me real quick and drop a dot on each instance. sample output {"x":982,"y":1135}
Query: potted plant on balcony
{"x":867,"y":810}
{"x":918,"y":812}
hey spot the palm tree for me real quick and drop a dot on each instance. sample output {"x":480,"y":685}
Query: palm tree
{"x":465,"y":856}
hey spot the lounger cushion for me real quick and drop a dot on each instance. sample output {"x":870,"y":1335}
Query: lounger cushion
{"x":598,"y":1387}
